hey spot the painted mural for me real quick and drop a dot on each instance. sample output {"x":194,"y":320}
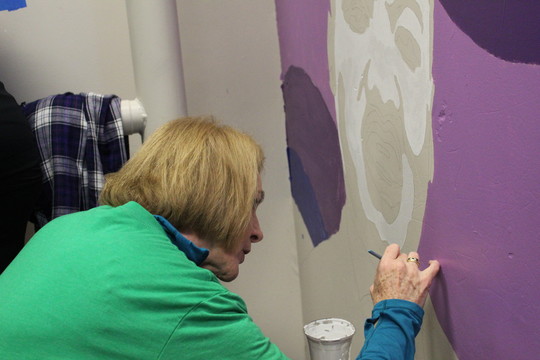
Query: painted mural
{"x":483,"y":212}
{"x":430,"y":111}
{"x":358,"y":91}
{"x":381,"y":62}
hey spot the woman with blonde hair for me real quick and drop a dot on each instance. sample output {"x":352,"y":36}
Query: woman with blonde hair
{"x":138,"y":277}
{"x":203,"y":178}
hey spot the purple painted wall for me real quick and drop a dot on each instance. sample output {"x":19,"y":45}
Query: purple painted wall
{"x":506,"y":29}
{"x":482,"y":218}
{"x":302,"y":31}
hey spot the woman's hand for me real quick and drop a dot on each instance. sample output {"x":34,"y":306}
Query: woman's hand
{"x":396,"y":278}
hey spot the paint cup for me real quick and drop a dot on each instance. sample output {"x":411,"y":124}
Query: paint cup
{"x":329,"y":339}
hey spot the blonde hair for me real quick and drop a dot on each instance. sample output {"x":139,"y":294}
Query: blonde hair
{"x":199,"y":175}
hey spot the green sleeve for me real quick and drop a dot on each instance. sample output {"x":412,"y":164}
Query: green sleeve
{"x":219,"y":328}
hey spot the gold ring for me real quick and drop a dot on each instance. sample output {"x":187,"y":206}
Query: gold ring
{"x":413,"y":260}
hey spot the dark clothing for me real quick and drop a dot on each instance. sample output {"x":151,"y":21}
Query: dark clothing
{"x":80,"y":138}
{"x":20,"y":177}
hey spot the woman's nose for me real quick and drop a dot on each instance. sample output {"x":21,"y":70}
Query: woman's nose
{"x":256,"y":232}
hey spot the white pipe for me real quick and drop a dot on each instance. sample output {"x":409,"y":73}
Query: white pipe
{"x":157,"y":60}
{"x":133,"y":117}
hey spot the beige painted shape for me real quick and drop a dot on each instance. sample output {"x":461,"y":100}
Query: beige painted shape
{"x":354,"y":218}
{"x":383,"y":146}
{"x":408,"y":47}
{"x":358,"y":14}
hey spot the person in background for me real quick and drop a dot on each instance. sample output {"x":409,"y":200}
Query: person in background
{"x":139,"y":277}
{"x":20,"y":177}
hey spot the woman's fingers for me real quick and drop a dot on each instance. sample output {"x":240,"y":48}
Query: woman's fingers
{"x":399,"y":277}
{"x":391,"y":251}
{"x":431,"y":271}
{"x":413,"y":258}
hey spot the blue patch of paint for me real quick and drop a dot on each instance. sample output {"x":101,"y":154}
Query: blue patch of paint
{"x":304,"y":196}
{"x":11,"y":5}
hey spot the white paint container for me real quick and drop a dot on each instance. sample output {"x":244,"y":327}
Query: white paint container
{"x":329,"y":339}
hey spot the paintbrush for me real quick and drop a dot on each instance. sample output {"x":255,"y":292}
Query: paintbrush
{"x":375,"y":254}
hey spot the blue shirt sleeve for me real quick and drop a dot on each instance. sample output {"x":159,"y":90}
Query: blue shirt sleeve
{"x":390,"y":332}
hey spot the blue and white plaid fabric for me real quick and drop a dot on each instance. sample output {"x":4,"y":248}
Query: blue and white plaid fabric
{"x":80,"y":138}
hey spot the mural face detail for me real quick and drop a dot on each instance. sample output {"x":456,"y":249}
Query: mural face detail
{"x":383,"y":89}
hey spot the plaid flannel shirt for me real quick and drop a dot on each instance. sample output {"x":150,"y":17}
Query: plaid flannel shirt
{"x":80,"y":138}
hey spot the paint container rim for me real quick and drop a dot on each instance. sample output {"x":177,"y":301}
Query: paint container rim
{"x":348,"y":326}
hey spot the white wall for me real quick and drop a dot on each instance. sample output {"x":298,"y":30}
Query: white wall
{"x":55,"y":46}
{"x":231,"y":68}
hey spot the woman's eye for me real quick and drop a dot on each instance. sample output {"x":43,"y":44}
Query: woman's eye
{"x":258,"y":200}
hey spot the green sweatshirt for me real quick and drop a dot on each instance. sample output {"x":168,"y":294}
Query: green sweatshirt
{"x":112,"y":283}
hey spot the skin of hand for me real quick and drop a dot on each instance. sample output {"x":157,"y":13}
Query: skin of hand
{"x":398,"y":279}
